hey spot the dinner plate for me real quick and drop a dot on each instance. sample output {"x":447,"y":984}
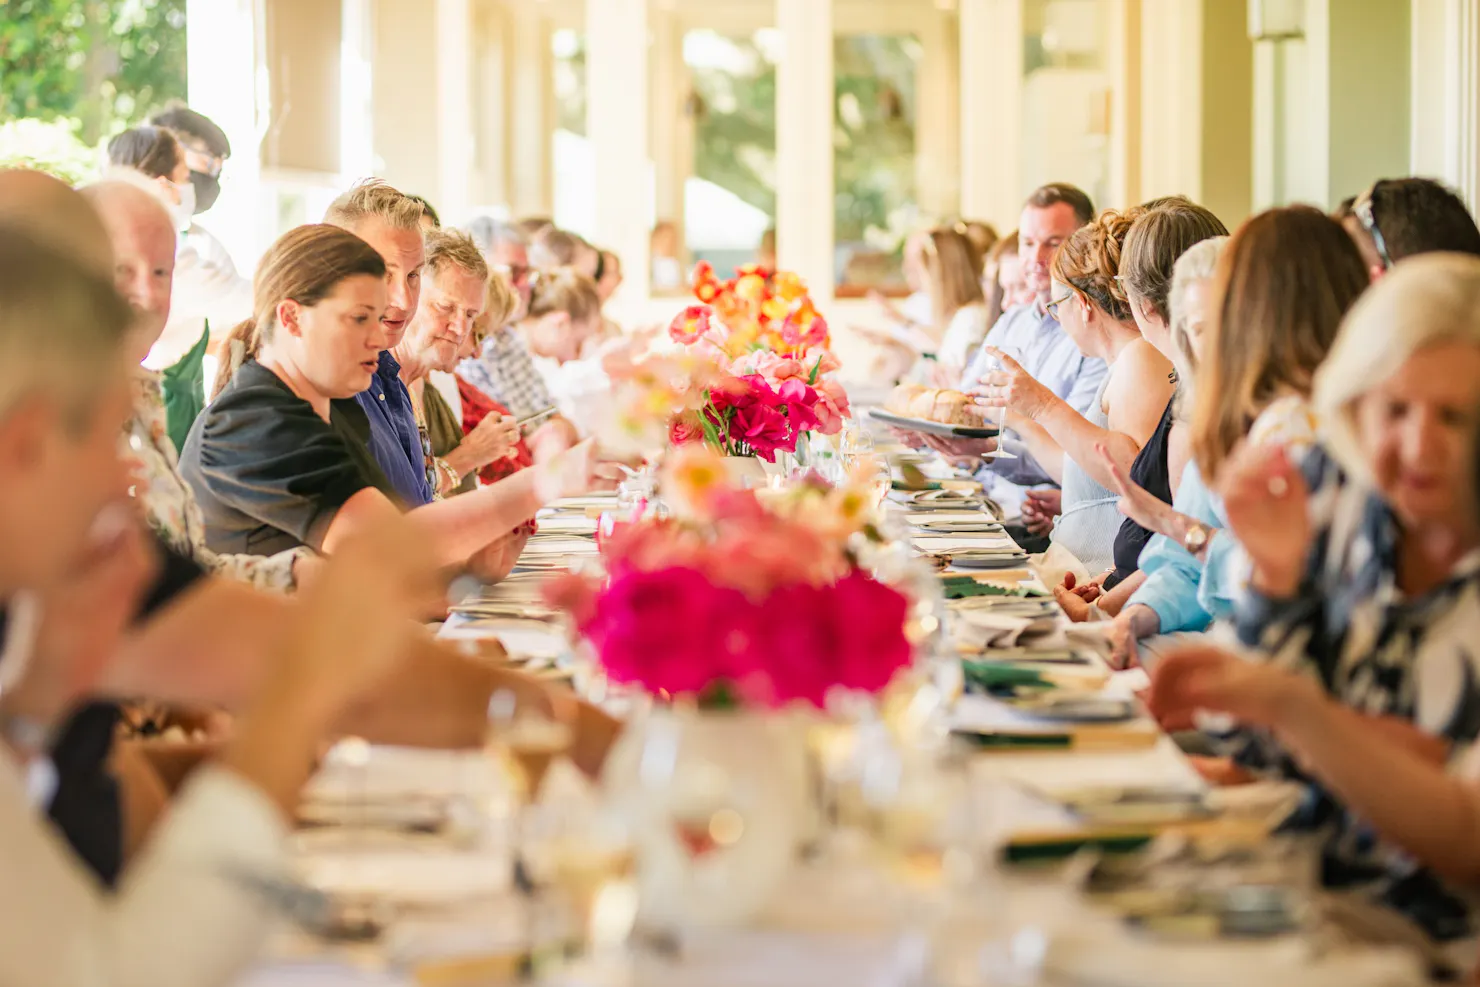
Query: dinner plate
{"x":929,"y":427}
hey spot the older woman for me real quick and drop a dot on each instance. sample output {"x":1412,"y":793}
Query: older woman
{"x":1276,"y":301}
{"x":1091,"y":304}
{"x":280,"y":458}
{"x":140,"y":230}
{"x":157,"y":154}
{"x":1364,"y":593}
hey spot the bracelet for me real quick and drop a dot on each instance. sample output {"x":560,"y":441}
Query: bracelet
{"x":453,"y":477}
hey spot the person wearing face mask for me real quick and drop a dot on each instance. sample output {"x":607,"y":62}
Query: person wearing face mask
{"x":180,"y":352}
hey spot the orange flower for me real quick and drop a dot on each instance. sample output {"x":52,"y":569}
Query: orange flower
{"x":692,"y":477}
{"x":788,"y":287}
{"x":751,"y":287}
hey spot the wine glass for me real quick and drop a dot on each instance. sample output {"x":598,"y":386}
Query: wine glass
{"x":1001,"y":423}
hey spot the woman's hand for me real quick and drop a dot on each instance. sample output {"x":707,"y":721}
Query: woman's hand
{"x":1013,"y":388}
{"x":493,"y":439}
{"x":1124,"y":652}
{"x":1039,"y":509}
{"x":1075,"y":599}
{"x":1265,"y":498}
{"x":1209,"y":678}
{"x":961,"y":453}
{"x":1136,"y":503}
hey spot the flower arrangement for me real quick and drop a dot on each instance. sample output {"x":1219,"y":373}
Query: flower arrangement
{"x":749,"y":596}
{"x":770,"y":342}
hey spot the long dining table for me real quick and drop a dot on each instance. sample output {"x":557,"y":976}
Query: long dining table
{"x":459,"y":913}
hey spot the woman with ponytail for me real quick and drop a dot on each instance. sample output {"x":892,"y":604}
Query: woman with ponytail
{"x":1090,"y":302}
{"x":281,"y":459}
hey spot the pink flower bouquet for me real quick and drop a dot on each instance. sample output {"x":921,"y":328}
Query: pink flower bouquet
{"x":746,"y":595}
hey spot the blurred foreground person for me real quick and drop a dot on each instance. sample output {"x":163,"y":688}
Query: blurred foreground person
{"x":179,"y":917}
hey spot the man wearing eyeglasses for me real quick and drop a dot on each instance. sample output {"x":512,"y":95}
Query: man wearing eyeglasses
{"x":1031,"y":334}
{"x":503,"y":369}
{"x":1395,"y":218}
{"x":208,"y":289}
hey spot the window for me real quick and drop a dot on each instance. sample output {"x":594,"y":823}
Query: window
{"x":730,"y":197}
{"x":875,"y":117}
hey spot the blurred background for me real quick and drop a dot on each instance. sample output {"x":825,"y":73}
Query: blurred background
{"x":813,"y":133}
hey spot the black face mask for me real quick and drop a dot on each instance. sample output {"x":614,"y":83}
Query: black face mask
{"x":207,"y":190}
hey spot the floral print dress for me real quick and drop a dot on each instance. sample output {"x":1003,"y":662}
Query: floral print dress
{"x":170,"y":507}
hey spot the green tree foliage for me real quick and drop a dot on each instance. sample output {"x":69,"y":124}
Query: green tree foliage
{"x":104,"y":63}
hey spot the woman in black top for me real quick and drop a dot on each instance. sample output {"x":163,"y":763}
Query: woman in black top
{"x":1159,"y":237}
{"x":280,"y":458}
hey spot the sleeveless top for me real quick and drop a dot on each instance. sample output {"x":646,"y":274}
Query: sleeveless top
{"x":1150,"y":470}
{"x":1090,"y":518}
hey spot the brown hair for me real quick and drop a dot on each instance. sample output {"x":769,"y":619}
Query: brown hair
{"x":153,"y":150}
{"x":1089,"y":261}
{"x":1162,"y":234}
{"x":996,"y":299}
{"x":373,"y":197}
{"x":1046,"y":196}
{"x":304,"y":265}
{"x":983,"y":237}
{"x":953,"y":272}
{"x":564,"y":290}
{"x":456,"y":248}
{"x":1281,"y":288}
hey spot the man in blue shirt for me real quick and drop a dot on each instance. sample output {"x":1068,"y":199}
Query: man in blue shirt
{"x":391,"y":223}
{"x":1032,"y":336}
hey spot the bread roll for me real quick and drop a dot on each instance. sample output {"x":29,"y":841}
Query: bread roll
{"x":931,"y":404}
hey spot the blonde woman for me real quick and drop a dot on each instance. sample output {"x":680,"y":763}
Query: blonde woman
{"x":1364,"y":595}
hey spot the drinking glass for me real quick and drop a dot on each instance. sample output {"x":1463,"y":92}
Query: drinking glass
{"x":1001,"y":423}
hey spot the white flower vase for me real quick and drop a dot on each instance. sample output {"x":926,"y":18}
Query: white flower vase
{"x":721,"y":803}
{"x":747,"y":471}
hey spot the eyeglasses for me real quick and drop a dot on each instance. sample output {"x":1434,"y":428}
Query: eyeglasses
{"x":1362,"y":209}
{"x":1052,"y":308}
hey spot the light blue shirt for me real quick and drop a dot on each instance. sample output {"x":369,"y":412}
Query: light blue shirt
{"x":1034,"y":338}
{"x":1186,"y":594}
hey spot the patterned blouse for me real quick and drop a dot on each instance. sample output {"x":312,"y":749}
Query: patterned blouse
{"x":1381,"y":652}
{"x":170,"y":506}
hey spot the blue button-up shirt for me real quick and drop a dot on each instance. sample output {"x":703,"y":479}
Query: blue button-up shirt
{"x":395,"y":441}
{"x":1037,"y":341}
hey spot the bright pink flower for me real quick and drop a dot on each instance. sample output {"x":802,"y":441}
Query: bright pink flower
{"x":801,"y":403}
{"x":756,"y":418}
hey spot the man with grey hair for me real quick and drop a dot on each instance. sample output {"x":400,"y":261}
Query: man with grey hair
{"x":504,"y":369}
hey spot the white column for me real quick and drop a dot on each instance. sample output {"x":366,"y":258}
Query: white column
{"x":405,"y":114}
{"x":1124,"y":63}
{"x":532,"y":113}
{"x":1171,"y":91}
{"x":938,"y":116}
{"x":227,"y":81}
{"x":1462,"y":75}
{"x":617,"y":126}
{"x":672,"y":130}
{"x":356,"y":91}
{"x":453,"y":106}
{"x":804,"y":143}
{"x":491,"y":107}
{"x":991,"y":110}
